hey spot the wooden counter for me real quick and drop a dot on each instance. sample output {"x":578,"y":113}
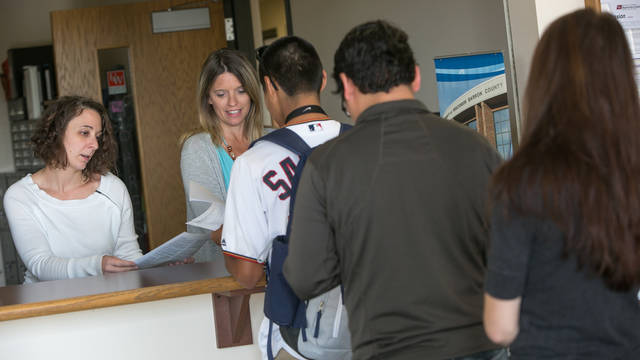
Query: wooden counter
{"x":44,"y":302}
{"x":55,"y":297}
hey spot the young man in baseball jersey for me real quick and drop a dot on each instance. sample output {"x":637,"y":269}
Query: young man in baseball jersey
{"x":257,"y":207}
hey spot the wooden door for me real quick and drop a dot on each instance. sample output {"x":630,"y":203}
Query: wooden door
{"x":164,"y":73}
{"x":594,"y":4}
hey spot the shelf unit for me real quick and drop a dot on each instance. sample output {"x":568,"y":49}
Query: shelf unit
{"x":21,"y":127}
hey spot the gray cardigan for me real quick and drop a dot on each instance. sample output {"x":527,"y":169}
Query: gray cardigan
{"x":199,"y":163}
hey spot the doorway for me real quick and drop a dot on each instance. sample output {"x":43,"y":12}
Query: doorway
{"x":117,"y":97}
{"x":163,"y":75}
{"x":271,"y":20}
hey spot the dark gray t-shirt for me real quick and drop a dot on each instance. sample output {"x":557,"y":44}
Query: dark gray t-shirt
{"x":566,"y":313}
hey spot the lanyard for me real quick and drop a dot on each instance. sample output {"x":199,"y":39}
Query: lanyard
{"x":307,"y":109}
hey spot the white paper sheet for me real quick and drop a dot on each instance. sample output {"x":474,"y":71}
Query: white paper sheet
{"x":197,"y":192}
{"x":177,"y":249}
{"x":212,"y":218}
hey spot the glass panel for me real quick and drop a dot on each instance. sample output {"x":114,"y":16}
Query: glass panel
{"x":472,"y":124}
{"x":503,"y":132}
{"x":117,"y":97}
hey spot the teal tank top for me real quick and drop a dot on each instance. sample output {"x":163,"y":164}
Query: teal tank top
{"x":225,"y":164}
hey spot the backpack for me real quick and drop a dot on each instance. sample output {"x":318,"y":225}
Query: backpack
{"x":321,"y":322}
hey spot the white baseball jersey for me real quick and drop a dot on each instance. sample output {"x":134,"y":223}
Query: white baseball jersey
{"x":257,"y":207}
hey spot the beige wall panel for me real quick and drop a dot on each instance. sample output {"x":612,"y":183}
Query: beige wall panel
{"x":164,"y":74}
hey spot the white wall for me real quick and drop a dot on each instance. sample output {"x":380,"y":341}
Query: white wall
{"x":172,"y":329}
{"x":549,"y":10}
{"x":27,"y":23}
{"x":435,"y":28}
{"x":523,"y":28}
{"x":527,"y":21}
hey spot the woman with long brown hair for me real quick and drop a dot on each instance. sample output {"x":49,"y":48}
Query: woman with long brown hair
{"x":564,"y":264}
{"x":231,"y":117}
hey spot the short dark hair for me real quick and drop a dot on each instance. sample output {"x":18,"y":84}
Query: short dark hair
{"x":294,"y":64}
{"x":376,"y":56}
{"x":48,"y":139}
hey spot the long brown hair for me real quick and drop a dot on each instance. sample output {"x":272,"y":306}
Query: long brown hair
{"x":236,"y":63}
{"x":48,"y":137}
{"x":579,"y":159}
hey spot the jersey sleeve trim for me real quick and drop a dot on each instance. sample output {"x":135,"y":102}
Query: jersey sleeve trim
{"x":241,"y":257}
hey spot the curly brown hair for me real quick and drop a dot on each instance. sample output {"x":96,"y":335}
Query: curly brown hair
{"x":48,"y":138}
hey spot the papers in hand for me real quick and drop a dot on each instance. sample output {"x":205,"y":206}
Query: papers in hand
{"x":197,"y":192}
{"x":213,"y":217}
{"x":176,"y":249}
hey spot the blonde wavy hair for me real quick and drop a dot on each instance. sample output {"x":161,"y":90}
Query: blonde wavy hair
{"x":236,"y":63}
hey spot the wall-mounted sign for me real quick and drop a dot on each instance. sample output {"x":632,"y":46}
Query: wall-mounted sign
{"x":457,"y":75}
{"x":116,"y":82}
{"x":628,"y":14}
{"x":472,"y":90}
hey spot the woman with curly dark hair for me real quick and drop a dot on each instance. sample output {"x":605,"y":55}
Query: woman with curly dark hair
{"x":73,"y":218}
{"x":564,"y":265}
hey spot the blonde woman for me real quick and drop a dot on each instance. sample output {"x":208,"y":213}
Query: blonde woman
{"x":230,"y":113}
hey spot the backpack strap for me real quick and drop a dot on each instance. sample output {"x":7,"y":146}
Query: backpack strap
{"x":344,"y":127}
{"x":269,"y":346}
{"x":290,"y":140}
{"x":295,"y":143}
{"x":300,"y":147}
{"x":286,"y":138}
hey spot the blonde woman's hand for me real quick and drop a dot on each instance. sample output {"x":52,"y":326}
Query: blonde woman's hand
{"x":216,"y":236}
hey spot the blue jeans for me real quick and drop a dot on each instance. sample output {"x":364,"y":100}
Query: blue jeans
{"x":500,"y":354}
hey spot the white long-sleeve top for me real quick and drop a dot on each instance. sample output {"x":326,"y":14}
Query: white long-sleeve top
{"x":62,"y":239}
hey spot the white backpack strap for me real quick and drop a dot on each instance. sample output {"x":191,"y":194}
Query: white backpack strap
{"x":337,"y":320}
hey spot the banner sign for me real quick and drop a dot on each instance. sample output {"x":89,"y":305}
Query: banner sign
{"x":458,"y":74}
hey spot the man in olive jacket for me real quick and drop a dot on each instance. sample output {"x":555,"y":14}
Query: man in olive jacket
{"x":394,"y":210}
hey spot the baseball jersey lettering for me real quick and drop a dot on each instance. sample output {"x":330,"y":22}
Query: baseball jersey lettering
{"x":257,"y":205}
{"x":289,"y":168}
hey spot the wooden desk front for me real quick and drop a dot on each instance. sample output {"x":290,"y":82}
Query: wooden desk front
{"x":26,"y":308}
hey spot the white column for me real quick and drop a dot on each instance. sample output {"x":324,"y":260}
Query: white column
{"x":526,"y":21}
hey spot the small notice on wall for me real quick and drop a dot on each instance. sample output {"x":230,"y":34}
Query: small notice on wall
{"x":628,"y":14}
{"x":116,"y":82}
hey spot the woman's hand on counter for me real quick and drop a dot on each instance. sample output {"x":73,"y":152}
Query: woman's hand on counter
{"x":112,"y":264}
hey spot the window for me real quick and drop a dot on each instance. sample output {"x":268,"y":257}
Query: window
{"x":503,"y":132}
{"x":472,"y":124}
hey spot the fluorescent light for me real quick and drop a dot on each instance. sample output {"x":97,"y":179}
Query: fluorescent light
{"x":180,"y":20}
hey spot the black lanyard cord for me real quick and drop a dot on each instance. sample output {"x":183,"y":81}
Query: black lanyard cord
{"x":307,"y":109}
